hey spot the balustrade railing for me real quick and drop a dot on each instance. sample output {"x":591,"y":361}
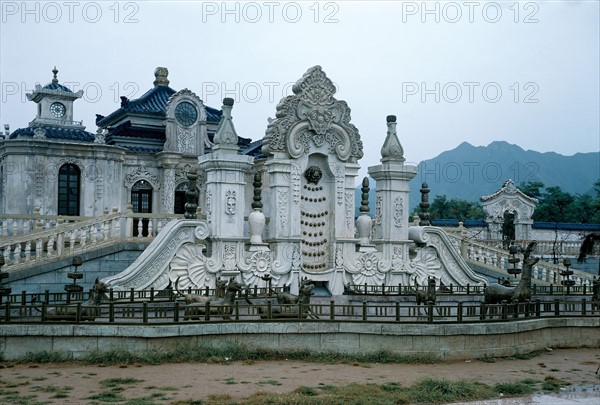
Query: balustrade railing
{"x":493,"y":256}
{"x":54,"y":237}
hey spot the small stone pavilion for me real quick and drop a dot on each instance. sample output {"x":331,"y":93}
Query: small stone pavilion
{"x":296,"y":217}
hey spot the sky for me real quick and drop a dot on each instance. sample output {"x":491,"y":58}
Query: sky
{"x":522,"y":72}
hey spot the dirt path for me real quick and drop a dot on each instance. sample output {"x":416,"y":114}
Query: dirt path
{"x":171,"y":382}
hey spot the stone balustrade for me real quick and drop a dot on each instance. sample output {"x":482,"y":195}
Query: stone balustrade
{"x":40,"y":239}
{"x":486,"y":253}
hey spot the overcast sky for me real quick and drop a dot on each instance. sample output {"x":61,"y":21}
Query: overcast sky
{"x":523,"y":72}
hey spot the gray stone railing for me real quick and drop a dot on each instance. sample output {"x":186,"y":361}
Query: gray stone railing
{"x":59,"y":238}
{"x":478,"y":251}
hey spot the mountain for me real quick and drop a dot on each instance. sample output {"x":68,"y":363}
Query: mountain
{"x":468,"y":172}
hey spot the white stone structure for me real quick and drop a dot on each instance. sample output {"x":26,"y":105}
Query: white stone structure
{"x":309,"y":168}
{"x":509,"y":199}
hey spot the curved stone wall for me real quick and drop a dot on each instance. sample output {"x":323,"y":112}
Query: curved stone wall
{"x":448,"y":341}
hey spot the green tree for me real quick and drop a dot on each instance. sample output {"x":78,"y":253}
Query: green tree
{"x":553,"y":205}
{"x":532,"y":188}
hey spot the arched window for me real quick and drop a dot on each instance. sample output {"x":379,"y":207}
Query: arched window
{"x":141,"y":200}
{"x":69,"y":183}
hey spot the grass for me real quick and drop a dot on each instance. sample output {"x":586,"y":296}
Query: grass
{"x":553,"y":384}
{"x":230,"y":353}
{"x":115,"y":382}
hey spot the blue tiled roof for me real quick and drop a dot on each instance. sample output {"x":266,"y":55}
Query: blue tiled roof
{"x":57,"y":86}
{"x":70,"y":134}
{"x":254,"y":149}
{"x":153,"y":102}
{"x":143,"y":149}
{"x":564,"y":226}
{"x":454,"y":222}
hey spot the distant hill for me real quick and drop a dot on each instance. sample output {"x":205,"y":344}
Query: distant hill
{"x":469,"y":172}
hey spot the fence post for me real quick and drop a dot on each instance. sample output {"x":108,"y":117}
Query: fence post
{"x":482,"y":309}
{"x":7,"y":311}
{"x":515,"y":309}
{"x":145,"y":312}
{"x":131,"y":295}
{"x":397,"y":311}
{"x":176,"y":312}
{"x":332,"y":310}
{"x":111,"y":312}
{"x":151,"y":294}
{"x":583,"y":309}
{"x":430,"y":311}
{"x":44,"y":311}
{"x":364,"y":308}
{"x":459,"y":312}
{"x":556,"y":307}
{"x":551,"y":289}
{"x":207,"y":311}
{"x":23,"y":297}
{"x":537,"y":308}
{"x":504,"y":309}
{"x":237,"y":310}
{"x":468,"y":288}
{"x":383,"y":288}
{"x":584,"y":289}
{"x":46,"y":296}
{"x":78,"y":313}
{"x":111,"y":295}
{"x":399,"y":288}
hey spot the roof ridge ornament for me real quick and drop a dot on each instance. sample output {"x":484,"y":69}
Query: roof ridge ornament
{"x":161,"y":74}
{"x":312,"y":117}
{"x":392,"y":149}
{"x":226,"y":136}
{"x":55,"y":71}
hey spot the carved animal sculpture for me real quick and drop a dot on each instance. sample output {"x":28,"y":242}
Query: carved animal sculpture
{"x":89,"y":310}
{"x":219,"y":307}
{"x":279,"y":312}
{"x":305,"y":287}
{"x":496,"y":293}
{"x":423,"y":297}
{"x":220,"y":286}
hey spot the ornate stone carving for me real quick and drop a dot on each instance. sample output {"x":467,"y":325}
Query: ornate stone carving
{"x":186,"y":140}
{"x":339,"y":257}
{"x":230,"y":202}
{"x":141,"y":173}
{"x":339,"y":172}
{"x":39,"y":133}
{"x":100,"y":136}
{"x":397,"y":259}
{"x":260,"y":264}
{"x":209,"y":211}
{"x":378,"y":210}
{"x":313,"y":115}
{"x":398,"y":211}
{"x":189,"y":266}
{"x":168,"y":196}
{"x":392,"y":149}
{"x":282,"y":203}
{"x":349,"y":209}
{"x":202,"y":231}
{"x":229,"y":257}
{"x":296,"y":178}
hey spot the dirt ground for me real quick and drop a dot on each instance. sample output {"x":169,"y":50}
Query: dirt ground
{"x":77,"y":384}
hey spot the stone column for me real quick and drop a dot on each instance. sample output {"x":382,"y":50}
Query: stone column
{"x":168,"y":161}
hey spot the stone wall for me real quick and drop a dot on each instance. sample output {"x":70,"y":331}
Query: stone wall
{"x":448,"y":341}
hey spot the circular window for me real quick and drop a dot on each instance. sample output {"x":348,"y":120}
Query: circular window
{"x":58,"y":109}
{"x":186,"y":113}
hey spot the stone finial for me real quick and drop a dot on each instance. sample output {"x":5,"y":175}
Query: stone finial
{"x":161,"y":74}
{"x":191,"y":195}
{"x":257,"y":203}
{"x":55,"y":71}
{"x":392,"y":149}
{"x":6,"y":129}
{"x":424,"y":205}
{"x":364,"y":202}
{"x":100,"y":136}
{"x":226,"y":136}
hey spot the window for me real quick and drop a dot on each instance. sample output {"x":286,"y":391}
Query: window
{"x":69,"y":182}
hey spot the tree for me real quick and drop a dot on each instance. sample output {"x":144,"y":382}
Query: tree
{"x":442,"y":208}
{"x":532,"y":188}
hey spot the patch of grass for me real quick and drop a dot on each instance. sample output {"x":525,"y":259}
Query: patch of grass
{"x":107,"y":396}
{"x":487,"y":359}
{"x":306,"y":391}
{"x":115,"y":382}
{"x":517,"y":388}
{"x":13,"y":397}
{"x":554,"y":369}
{"x":552,"y":383}
{"x":439,"y":391}
{"x":269,"y":382}
{"x":230,"y":381}
{"x":47,"y":357}
{"x":39,"y":379}
{"x":526,"y":356}
{"x":232,"y":352}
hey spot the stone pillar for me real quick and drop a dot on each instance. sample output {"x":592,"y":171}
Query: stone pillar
{"x":392,"y":177}
{"x":168,"y":161}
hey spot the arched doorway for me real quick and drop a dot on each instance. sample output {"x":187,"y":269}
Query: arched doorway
{"x":508,"y":228}
{"x":69,"y":183}
{"x":141,"y":200}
